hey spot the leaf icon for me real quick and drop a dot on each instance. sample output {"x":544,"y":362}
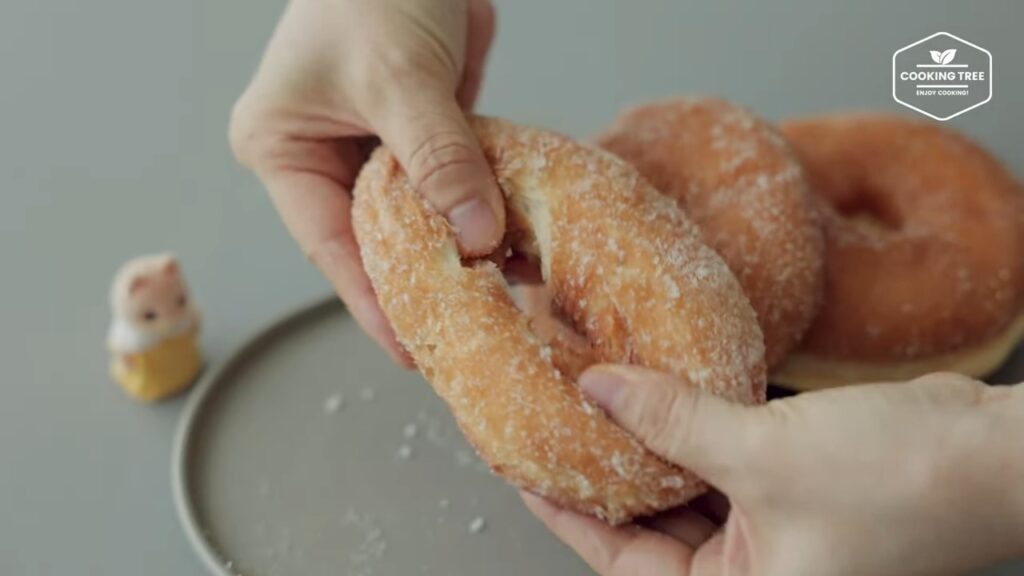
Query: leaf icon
{"x":937,"y":56}
{"x":948,"y":56}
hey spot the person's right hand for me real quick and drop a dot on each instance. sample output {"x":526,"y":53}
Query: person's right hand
{"x":921,"y":478}
{"x":339,"y":71}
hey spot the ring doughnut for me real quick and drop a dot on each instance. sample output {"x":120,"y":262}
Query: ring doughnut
{"x":627,"y":268}
{"x":738,"y":180}
{"x":924,"y":252}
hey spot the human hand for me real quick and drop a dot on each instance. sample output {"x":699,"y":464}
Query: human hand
{"x":339,"y":71}
{"x":907,"y":479}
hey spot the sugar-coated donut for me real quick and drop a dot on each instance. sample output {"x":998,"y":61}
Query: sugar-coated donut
{"x":738,"y":180}
{"x":924,"y":252}
{"x":628,"y":269}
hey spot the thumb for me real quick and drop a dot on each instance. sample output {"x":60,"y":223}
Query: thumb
{"x":694,"y":429}
{"x":434,"y":143}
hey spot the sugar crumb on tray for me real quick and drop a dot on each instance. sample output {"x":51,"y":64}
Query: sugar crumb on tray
{"x":477,"y":525}
{"x":334,"y":403}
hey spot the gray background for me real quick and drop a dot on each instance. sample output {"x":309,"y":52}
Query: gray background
{"x":112,"y":143}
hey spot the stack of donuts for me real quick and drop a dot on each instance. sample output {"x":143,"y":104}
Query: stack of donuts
{"x":697,"y":239}
{"x":895,"y":246}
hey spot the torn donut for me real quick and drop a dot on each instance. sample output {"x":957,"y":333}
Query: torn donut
{"x":625,"y":266}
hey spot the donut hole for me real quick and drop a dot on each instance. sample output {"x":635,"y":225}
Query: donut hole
{"x":868,"y":208}
{"x":518,"y":258}
{"x":525,"y":284}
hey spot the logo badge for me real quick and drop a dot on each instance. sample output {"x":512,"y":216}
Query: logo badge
{"x":942,"y":76}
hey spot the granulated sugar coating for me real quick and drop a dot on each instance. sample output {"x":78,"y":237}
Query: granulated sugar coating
{"x":925,"y":241}
{"x":736,"y":177}
{"x":624,"y":264}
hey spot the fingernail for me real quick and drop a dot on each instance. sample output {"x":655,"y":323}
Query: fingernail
{"x":474,"y":223}
{"x":602,"y":386}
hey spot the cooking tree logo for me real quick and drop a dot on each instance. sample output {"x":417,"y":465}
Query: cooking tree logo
{"x":942,"y":76}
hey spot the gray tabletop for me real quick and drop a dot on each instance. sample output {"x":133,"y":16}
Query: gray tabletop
{"x":112,"y":143}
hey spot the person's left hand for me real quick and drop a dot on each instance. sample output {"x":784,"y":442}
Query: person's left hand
{"x":886,"y":479}
{"x":336,"y":74}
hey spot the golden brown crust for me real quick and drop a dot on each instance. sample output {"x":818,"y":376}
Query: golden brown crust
{"x":923,"y":234}
{"x":739,"y":181}
{"x":630,"y":272}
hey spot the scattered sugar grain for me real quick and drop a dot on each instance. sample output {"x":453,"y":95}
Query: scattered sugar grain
{"x":363,"y":559}
{"x":334,"y":403}
{"x":405,"y":452}
{"x":477,"y":525}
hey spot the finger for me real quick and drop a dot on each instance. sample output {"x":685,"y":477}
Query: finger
{"x":695,"y":429}
{"x":316,"y":211}
{"x":479,"y":37}
{"x":712,"y":558}
{"x":433,"y":141}
{"x":684,"y":524}
{"x":610,"y":550}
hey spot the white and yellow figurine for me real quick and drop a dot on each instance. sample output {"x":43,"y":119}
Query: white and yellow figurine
{"x":154,"y":331}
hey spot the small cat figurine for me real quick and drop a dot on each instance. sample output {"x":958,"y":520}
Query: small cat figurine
{"x":154,"y":329}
